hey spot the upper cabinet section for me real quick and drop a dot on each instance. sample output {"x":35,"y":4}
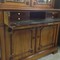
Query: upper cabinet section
{"x":43,"y":3}
{"x":16,"y":2}
{"x":21,"y":2}
{"x":27,"y":4}
{"x":39,"y":2}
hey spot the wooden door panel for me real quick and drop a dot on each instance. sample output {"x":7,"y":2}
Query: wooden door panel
{"x":22,"y":44}
{"x":45,"y":37}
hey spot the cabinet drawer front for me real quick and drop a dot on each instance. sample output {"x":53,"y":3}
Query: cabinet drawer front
{"x":16,"y":16}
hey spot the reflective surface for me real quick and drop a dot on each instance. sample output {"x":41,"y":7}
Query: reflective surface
{"x":43,"y":1}
{"x":16,"y":1}
{"x":29,"y":22}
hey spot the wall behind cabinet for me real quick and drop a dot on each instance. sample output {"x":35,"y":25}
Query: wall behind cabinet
{"x":57,"y":4}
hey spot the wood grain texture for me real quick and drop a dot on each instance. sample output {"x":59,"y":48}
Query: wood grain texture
{"x":24,"y":43}
{"x":2,"y":39}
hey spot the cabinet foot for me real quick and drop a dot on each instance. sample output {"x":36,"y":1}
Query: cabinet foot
{"x":55,"y":52}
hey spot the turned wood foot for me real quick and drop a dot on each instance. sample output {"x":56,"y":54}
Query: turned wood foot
{"x":55,"y":52}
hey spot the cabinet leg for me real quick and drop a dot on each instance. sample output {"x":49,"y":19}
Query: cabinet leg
{"x":55,"y":52}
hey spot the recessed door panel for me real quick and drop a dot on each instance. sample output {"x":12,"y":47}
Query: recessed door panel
{"x":45,"y":37}
{"x":22,"y":44}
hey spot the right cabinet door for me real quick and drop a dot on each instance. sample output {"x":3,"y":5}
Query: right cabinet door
{"x":46,"y":37}
{"x":43,"y":3}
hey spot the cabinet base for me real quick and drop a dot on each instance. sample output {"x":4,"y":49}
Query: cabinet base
{"x":42,"y":53}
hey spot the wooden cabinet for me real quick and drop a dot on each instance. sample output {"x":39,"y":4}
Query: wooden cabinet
{"x":29,"y":41}
{"x":25,"y":42}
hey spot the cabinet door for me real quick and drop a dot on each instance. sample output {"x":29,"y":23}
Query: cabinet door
{"x":16,"y":3}
{"x":45,"y":37}
{"x":43,"y":3}
{"x":21,"y":44}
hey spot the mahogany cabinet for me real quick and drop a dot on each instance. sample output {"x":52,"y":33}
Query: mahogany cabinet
{"x":26,"y":43}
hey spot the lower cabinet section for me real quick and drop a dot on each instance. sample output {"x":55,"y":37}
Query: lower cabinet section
{"x":24,"y":43}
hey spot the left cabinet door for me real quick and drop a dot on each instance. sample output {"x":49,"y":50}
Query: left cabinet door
{"x":20,"y":44}
{"x":15,"y":3}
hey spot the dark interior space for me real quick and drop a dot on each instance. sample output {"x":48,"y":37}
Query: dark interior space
{"x":37,"y":15}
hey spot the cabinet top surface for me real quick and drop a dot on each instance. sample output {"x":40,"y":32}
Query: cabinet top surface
{"x":34,"y":22}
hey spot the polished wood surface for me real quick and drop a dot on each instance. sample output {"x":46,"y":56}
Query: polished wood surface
{"x":2,"y":37}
